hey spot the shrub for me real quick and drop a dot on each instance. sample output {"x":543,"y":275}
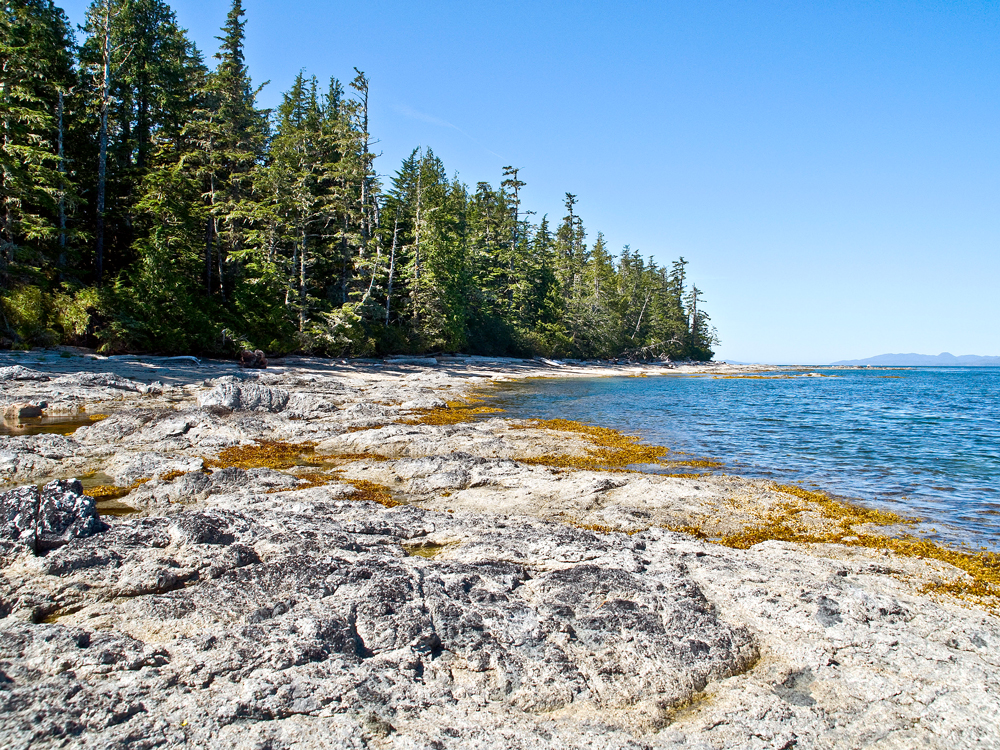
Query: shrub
{"x":26,"y":318}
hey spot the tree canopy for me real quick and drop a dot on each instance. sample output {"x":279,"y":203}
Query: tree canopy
{"x":149,"y":204}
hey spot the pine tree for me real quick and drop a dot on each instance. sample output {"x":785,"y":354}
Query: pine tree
{"x":35,"y":183}
{"x":232,"y":133}
{"x":143,"y":74}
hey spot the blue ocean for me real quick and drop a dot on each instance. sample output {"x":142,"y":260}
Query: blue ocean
{"x":921,"y":442}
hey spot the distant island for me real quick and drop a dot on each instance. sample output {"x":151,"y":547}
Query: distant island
{"x":917,"y":360}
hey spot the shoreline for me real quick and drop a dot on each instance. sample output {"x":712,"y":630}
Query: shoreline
{"x":801,"y":609}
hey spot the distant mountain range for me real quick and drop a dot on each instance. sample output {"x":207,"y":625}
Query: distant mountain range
{"x":926,"y":360}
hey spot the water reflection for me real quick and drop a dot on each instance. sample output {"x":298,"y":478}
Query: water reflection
{"x":56,"y":424}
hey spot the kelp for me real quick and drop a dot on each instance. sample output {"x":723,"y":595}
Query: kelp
{"x":265,"y":454}
{"x":610,"y":450}
{"x":454,"y":412}
{"x":785,"y":524}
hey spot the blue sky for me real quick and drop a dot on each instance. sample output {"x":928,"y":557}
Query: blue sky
{"x":830,"y":170}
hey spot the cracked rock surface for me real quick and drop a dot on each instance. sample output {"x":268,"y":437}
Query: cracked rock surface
{"x":263,"y":608}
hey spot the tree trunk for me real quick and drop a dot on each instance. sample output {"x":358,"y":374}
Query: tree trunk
{"x":208,"y":255}
{"x":392,"y":268}
{"x":291,"y":276}
{"x":218,"y":255}
{"x":639,"y":321}
{"x":302,"y":284}
{"x":62,"y":192}
{"x":345,"y":256}
{"x":102,"y":158}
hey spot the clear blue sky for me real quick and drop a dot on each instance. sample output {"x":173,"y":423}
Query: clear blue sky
{"x":830,"y":170}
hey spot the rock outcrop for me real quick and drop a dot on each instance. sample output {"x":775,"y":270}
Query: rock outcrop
{"x":496,"y":604}
{"x":44,"y":519}
{"x":245,"y":395}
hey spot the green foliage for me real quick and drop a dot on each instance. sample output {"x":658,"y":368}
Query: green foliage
{"x":74,"y":313}
{"x":340,"y":332}
{"x":148,"y":204}
{"x":26,"y":318}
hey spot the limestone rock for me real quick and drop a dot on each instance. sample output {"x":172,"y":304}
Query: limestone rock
{"x":23,"y":411}
{"x":104,"y":380}
{"x":29,"y":457}
{"x":499,"y":609}
{"x":127,"y":468}
{"x":19,"y":372}
{"x":423,"y":402}
{"x":240,"y":395}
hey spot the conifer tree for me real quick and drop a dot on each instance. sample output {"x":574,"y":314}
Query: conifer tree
{"x":214,"y":224}
{"x":37,"y":74}
{"x":143,"y":75}
{"x":232,"y":133}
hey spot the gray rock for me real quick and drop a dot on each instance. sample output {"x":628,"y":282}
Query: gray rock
{"x":128,"y":468}
{"x":65,"y":513}
{"x":245,"y":395}
{"x":19,"y":516}
{"x":30,"y":457}
{"x":353,"y":627}
{"x":19,"y":372}
{"x":242,"y":609}
{"x":42,"y":520}
{"x":103,"y":380}
{"x":424,"y":402}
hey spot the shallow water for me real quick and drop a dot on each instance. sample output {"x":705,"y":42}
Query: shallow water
{"x":922,"y":441}
{"x":57,"y":424}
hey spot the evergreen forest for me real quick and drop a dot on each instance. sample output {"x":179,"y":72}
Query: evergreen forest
{"x":149,"y":205}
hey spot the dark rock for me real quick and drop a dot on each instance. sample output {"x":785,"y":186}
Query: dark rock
{"x":23,"y":411}
{"x":254,"y":360}
{"x":45,"y":519}
{"x":65,"y":513}
{"x":18,"y":515}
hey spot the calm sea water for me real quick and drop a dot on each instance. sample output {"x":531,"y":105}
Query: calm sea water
{"x":923,"y":441}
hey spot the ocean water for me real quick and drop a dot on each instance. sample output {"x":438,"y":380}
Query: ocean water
{"x":921,"y":441}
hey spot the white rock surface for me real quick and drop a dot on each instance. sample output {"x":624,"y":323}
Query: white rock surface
{"x":252,"y":609}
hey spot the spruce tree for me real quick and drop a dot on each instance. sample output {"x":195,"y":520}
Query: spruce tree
{"x":232,"y":133}
{"x":35,"y":179}
{"x":143,"y":75}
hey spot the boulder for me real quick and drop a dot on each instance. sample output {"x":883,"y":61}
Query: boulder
{"x":19,"y":372}
{"x":238,"y":395}
{"x":65,"y":513}
{"x":253,"y":360}
{"x":45,"y":519}
{"x":18,"y":514}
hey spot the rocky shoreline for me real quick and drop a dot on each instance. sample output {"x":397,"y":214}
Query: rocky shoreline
{"x":354,"y":554}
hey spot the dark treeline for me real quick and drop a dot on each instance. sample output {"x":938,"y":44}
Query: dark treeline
{"x":148,"y":204}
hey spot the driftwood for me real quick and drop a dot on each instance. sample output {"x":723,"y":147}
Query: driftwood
{"x":656,"y":350}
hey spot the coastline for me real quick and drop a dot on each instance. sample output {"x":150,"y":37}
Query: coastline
{"x":813,"y":629}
